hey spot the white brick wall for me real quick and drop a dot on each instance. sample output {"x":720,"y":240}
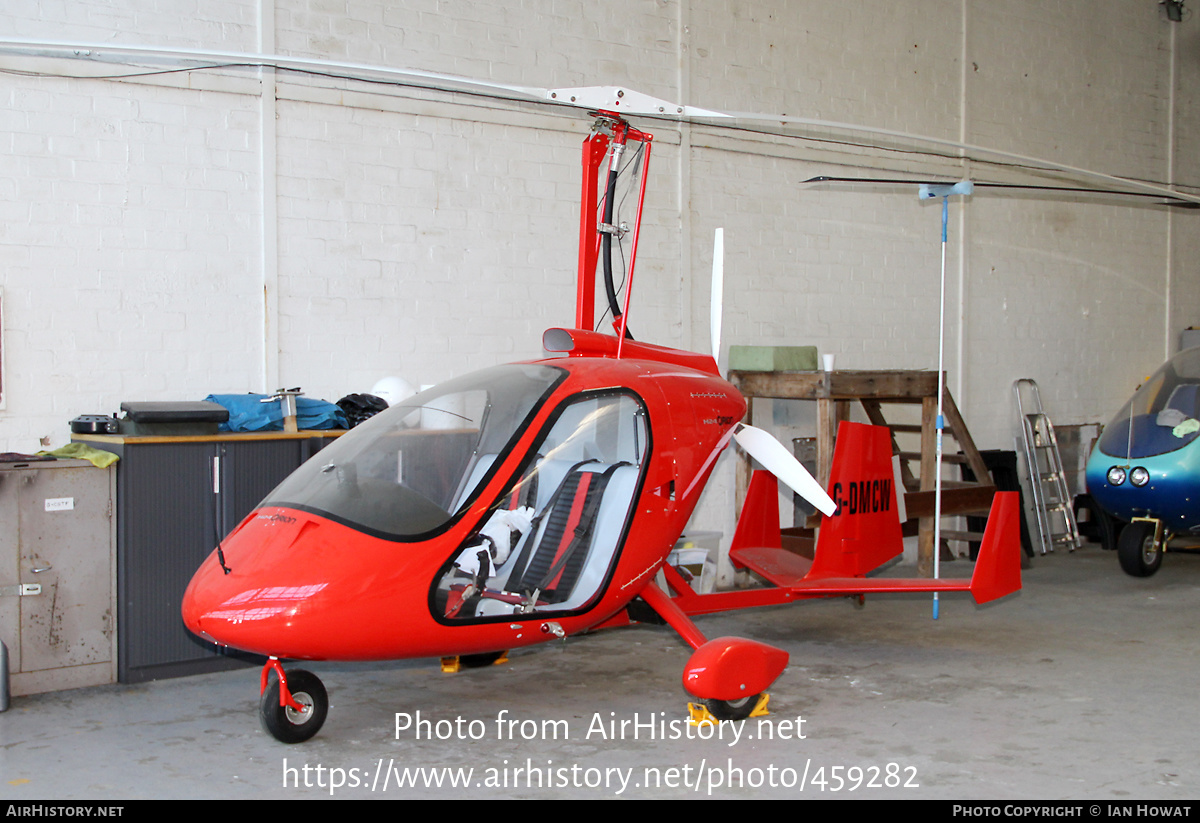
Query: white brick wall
{"x":129,"y":256}
{"x":428,"y":238}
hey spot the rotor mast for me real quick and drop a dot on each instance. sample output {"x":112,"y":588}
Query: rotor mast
{"x":608,"y":140}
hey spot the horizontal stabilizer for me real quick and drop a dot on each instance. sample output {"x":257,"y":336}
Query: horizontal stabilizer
{"x":780,"y":567}
{"x":997,"y":567}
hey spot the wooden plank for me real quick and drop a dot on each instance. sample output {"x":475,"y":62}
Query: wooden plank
{"x":969,"y":500}
{"x":880,"y":385}
{"x":826,"y":432}
{"x":963,"y":436}
{"x":875,"y":415}
{"x":946,"y":458}
{"x":844,"y":385}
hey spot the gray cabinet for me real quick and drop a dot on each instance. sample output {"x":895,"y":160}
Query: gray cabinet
{"x":175,"y":497}
{"x":58,"y":534}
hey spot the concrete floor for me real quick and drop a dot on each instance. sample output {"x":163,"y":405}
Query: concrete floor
{"x":1080,"y":687}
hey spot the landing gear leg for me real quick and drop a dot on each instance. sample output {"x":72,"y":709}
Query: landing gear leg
{"x":293,"y":704}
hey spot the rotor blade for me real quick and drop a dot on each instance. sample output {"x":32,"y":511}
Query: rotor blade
{"x":1166,"y":199}
{"x":773,"y":457}
{"x":612,"y":98}
{"x":116,"y":52}
{"x":718,"y":292}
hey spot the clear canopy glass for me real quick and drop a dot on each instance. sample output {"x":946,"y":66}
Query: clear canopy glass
{"x":1163,"y":415}
{"x":406,"y":472}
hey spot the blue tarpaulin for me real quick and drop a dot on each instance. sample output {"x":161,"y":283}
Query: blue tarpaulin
{"x":248,"y":413}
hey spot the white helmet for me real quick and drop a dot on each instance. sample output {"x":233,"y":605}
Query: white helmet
{"x":393,"y":389}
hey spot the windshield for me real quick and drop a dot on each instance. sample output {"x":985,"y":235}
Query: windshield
{"x":1162,"y":415}
{"x":408,"y":470}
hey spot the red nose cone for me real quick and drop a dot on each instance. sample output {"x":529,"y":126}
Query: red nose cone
{"x":195,"y":604}
{"x":306,"y":588}
{"x":267,"y":585}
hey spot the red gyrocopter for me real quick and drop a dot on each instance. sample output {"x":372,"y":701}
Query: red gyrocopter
{"x":538,"y":500}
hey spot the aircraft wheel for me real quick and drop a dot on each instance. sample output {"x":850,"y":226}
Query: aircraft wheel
{"x":1140,"y":554}
{"x":479,"y":661}
{"x":285,"y":723}
{"x":732,"y":709}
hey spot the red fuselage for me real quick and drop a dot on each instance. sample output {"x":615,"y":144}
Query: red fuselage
{"x":303,"y":585}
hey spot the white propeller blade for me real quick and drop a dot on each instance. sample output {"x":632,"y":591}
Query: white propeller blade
{"x":773,"y":457}
{"x":718,"y":291}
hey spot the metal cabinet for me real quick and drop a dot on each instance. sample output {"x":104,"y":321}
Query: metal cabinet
{"x":57,"y":575}
{"x":175,"y":497}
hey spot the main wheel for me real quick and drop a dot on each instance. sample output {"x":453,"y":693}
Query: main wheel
{"x":287,"y":725}
{"x":732,"y":709}
{"x":1140,"y":554}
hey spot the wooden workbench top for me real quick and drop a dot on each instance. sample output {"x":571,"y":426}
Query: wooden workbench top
{"x":843,"y":384}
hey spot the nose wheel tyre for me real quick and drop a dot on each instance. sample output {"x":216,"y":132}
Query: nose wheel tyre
{"x":288,"y":725}
{"x":1140,"y":554}
{"x":732,"y":709}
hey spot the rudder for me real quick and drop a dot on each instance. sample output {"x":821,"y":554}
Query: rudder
{"x":864,"y":532}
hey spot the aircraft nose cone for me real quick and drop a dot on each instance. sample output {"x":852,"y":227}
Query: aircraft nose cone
{"x":237,"y":610}
{"x":302,"y":587}
{"x":256,"y":591}
{"x":201,"y":600}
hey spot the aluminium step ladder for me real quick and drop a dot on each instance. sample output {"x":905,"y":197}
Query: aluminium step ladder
{"x":1051,"y":500}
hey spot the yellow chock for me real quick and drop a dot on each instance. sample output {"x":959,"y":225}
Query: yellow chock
{"x":698,"y":713}
{"x":453,"y":665}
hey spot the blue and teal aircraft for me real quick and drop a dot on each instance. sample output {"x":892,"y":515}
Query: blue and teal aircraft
{"x":1145,"y":469}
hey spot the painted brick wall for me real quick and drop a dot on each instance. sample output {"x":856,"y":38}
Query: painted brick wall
{"x":130,"y":256}
{"x":424,"y":235}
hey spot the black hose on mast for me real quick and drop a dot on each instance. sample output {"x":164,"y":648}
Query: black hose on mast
{"x":606,"y":239}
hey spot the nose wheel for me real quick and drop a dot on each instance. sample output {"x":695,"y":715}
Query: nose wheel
{"x":293,"y":705}
{"x":732,"y":709}
{"x":1140,"y":547}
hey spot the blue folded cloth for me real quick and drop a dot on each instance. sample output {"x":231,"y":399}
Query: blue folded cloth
{"x":248,"y":413}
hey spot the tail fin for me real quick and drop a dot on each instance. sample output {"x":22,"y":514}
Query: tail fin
{"x":758,"y":525}
{"x":864,"y":532}
{"x":998,"y":564}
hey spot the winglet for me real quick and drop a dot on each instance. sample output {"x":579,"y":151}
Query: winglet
{"x":998,"y":564}
{"x":758,"y":525}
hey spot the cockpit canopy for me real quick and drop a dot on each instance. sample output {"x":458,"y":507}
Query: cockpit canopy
{"x":407,"y":472}
{"x":1162,"y":416}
